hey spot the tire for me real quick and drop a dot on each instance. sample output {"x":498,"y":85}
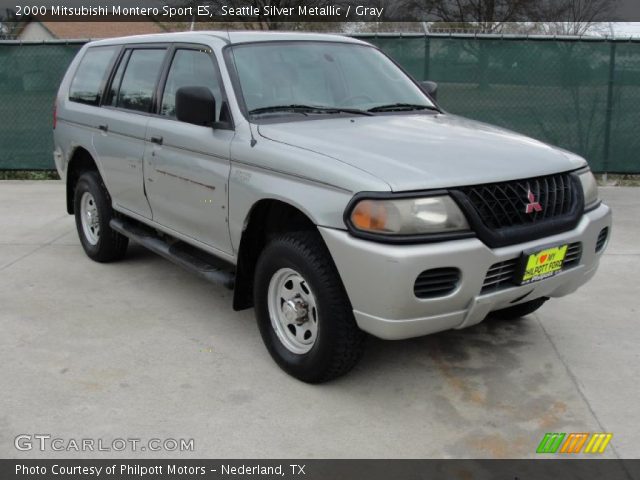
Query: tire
{"x":300,"y":262}
{"x":99,"y":241}
{"x":521,"y":310}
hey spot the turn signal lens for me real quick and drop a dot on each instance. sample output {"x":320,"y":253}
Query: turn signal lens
{"x":369,"y":215}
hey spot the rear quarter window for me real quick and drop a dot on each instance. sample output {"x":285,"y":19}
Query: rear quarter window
{"x":88,"y":81}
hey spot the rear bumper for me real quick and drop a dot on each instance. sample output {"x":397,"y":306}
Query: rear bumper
{"x":379,"y":278}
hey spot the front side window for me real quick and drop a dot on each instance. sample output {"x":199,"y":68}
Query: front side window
{"x":190,"y":68}
{"x":321,"y":74}
{"x":86,"y":86}
{"x":139,"y":79}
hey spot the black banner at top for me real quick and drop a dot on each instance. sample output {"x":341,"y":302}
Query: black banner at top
{"x":461,"y":12}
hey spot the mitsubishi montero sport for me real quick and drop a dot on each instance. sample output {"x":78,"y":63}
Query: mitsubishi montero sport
{"x":322,"y":183}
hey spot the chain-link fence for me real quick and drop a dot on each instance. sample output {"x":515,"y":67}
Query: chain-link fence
{"x":580,"y":94}
{"x":29,"y":79}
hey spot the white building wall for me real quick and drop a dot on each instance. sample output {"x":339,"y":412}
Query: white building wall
{"x":35,"y":32}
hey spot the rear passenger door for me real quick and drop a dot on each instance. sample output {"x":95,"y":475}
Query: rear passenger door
{"x":126,"y":111}
{"x":187,"y":166}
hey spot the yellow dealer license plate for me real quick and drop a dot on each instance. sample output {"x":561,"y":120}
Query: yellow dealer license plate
{"x":543,"y":264}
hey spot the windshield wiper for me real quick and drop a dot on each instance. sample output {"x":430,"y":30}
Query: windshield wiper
{"x":402,"y":107}
{"x":355,"y":111}
{"x":280,"y":108}
{"x":304,"y":109}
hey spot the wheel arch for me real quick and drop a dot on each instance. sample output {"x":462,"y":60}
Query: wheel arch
{"x":80,"y":161}
{"x":266,"y":218}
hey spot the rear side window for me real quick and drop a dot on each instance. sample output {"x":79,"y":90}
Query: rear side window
{"x":87,"y":84}
{"x":190,"y":68}
{"x":139,"y":79}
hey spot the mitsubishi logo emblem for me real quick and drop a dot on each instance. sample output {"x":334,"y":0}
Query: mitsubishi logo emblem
{"x":532,"y":206}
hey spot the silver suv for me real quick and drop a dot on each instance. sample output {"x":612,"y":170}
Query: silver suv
{"x":317,"y":179}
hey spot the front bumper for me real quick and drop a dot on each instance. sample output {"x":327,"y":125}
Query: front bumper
{"x":379,"y":278}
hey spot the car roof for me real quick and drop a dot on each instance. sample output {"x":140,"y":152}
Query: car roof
{"x":231,"y":37}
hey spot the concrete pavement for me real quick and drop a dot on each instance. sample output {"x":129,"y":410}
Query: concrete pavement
{"x":142,"y":349}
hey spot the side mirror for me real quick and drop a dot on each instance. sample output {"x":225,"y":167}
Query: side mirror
{"x":430,"y":87}
{"x":196,"y":105}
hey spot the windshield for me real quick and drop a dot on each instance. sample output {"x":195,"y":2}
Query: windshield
{"x":335,"y":76}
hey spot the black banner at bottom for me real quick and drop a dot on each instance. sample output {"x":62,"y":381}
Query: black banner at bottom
{"x":542,"y":469}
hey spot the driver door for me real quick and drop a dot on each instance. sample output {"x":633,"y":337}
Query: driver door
{"x":187,"y":166}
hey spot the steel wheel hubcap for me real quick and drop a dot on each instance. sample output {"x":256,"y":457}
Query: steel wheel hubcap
{"x":293,"y":311}
{"x":90,"y":218}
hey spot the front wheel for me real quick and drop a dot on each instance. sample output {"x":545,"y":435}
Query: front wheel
{"x":303,"y":312}
{"x":92,"y":207}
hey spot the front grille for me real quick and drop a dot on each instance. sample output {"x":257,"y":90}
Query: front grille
{"x":511,"y":212}
{"x":502,"y":274}
{"x":602,"y":239}
{"x":504,"y":204}
{"x":436,"y":282}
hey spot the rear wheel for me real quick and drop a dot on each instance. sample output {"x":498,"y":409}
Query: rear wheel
{"x":93,"y":212}
{"x":304,"y":314}
{"x":521,"y":310}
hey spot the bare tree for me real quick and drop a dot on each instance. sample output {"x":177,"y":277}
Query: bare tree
{"x":508,"y":16}
{"x":9,"y":24}
{"x":577,"y":17}
{"x":480,"y":16}
{"x":477,"y":16}
{"x":571,"y":17}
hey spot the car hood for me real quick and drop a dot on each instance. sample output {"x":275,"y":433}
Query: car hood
{"x":422,"y":151}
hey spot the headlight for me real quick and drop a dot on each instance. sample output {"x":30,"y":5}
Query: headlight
{"x":407,"y":216}
{"x":589,"y":188}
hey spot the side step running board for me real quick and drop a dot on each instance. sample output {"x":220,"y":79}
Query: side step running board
{"x":205,"y":265}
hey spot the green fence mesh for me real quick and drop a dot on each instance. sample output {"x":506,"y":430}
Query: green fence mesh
{"x":29,"y":79}
{"x":582,"y":95}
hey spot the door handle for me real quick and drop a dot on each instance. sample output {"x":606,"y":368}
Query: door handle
{"x":104,"y":128}
{"x":157,"y":140}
